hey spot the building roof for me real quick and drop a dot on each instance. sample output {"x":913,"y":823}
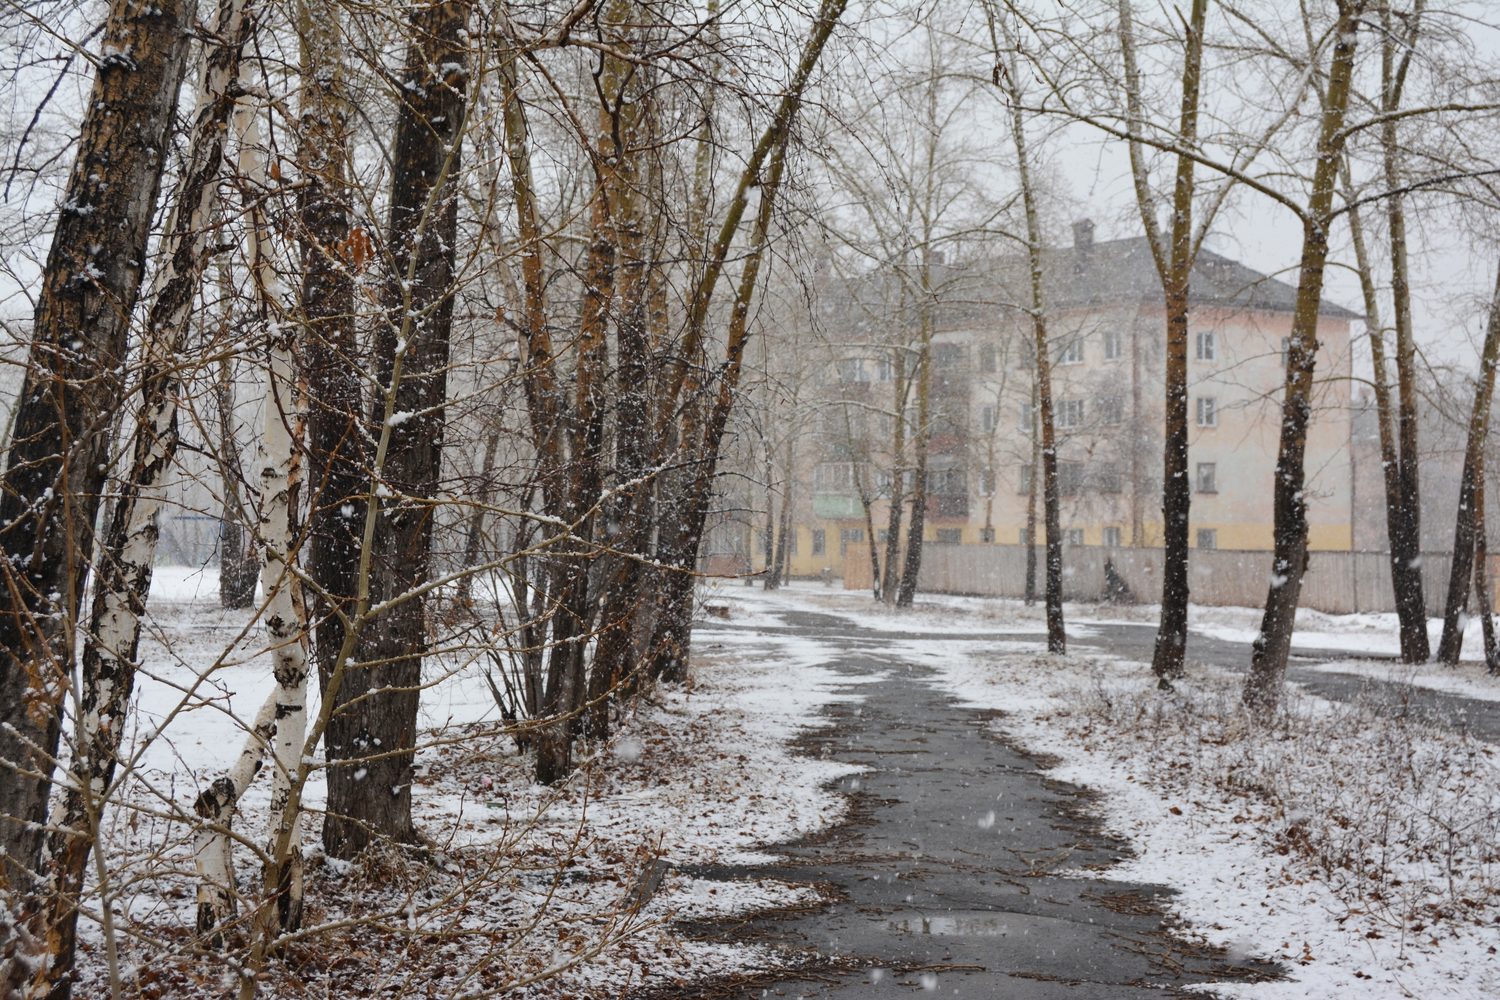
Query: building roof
{"x":1112,"y":271}
{"x":1087,"y":275}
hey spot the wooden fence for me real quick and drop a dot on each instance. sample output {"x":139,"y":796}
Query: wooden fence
{"x":1336,"y":582}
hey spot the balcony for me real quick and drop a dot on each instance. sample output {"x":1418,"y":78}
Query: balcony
{"x":837,"y":506}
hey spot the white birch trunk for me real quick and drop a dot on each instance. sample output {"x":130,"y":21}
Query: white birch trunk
{"x":284,"y":612}
{"x":214,"y":854}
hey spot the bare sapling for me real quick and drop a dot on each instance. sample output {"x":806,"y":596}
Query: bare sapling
{"x":1465,"y":530}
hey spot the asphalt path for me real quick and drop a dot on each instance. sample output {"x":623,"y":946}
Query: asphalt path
{"x":1135,"y":642}
{"x":945,"y":871}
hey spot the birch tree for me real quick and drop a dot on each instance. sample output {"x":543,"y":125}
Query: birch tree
{"x":128,"y":548}
{"x":55,"y":469}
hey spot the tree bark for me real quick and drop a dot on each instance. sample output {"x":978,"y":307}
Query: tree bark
{"x":1263,"y":687}
{"x":239,"y":568}
{"x":49,"y":494}
{"x":1031,"y":491}
{"x":1406,"y":572}
{"x":901,"y":390}
{"x":284,"y":614}
{"x":213,"y":850}
{"x":372,"y":732}
{"x":331,"y":255}
{"x":1470,"y":492}
{"x":1406,"y":531}
{"x":128,"y":552}
{"x":1482,"y":580}
{"x":916,"y":525}
{"x":1056,"y":635}
{"x":1177,"y":494}
{"x":778,"y":573}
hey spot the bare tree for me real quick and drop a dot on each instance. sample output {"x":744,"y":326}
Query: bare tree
{"x":1470,"y":497}
{"x":59,"y":445}
{"x":1262,"y":692}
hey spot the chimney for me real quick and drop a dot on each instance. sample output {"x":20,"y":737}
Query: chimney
{"x":1083,"y":234}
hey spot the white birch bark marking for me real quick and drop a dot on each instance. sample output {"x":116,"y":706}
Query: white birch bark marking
{"x":115,"y":629}
{"x":281,"y":470}
{"x":214,"y":855}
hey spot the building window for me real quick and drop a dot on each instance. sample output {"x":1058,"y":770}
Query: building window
{"x":1070,"y":477}
{"x":947,"y":355}
{"x":884,"y":370}
{"x":987,"y":482}
{"x":1027,"y":412}
{"x":1208,"y":481}
{"x":1286,"y":350}
{"x":1206,"y":346}
{"x":988,"y":359}
{"x":853,"y":370}
{"x":1112,"y":538}
{"x":848,"y":535}
{"x":987,"y":536}
{"x":883,"y":535}
{"x":1025,"y":537}
{"x":1028,"y":354}
{"x":1111,"y":411}
{"x":950,"y":536}
{"x":947,"y":481}
{"x":1071,"y":352}
{"x":820,"y":544}
{"x":1025,"y":484}
{"x":1113,"y":345}
{"x":1107,"y":477}
{"x":1072,"y":536}
{"x":1208,"y":538}
{"x":835,"y":476}
{"x":1070,"y":413}
{"x":1208,"y":412}
{"x":763,"y":541}
{"x":792,"y":547}
{"x":987,"y":418}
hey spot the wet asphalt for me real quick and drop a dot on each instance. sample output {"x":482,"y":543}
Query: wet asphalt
{"x":945,"y":872}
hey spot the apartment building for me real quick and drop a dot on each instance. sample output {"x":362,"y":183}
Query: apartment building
{"x":1107,"y":330}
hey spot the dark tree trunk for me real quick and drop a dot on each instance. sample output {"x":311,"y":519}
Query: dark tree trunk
{"x":1406,"y":527}
{"x":60,"y":446}
{"x":683,"y":525}
{"x":891,"y":577}
{"x":1482,"y":581}
{"x":239,"y":565}
{"x":1174,"y":266}
{"x":330,"y":256}
{"x":1056,"y":635}
{"x":1262,"y":694}
{"x":778,"y":571}
{"x":369,"y":743}
{"x":1470,"y":492}
{"x":911,"y":566}
{"x":474,"y":537}
{"x":673,"y":633}
{"x":1031,"y":492}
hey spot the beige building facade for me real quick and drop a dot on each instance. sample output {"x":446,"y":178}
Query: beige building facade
{"x":1107,"y":343}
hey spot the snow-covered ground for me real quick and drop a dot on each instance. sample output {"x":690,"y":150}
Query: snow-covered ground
{"x":521,"y":878}
{"x":1359,"y":852}
{"x":1362,"y":853}
{"x":1370,"y":634}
